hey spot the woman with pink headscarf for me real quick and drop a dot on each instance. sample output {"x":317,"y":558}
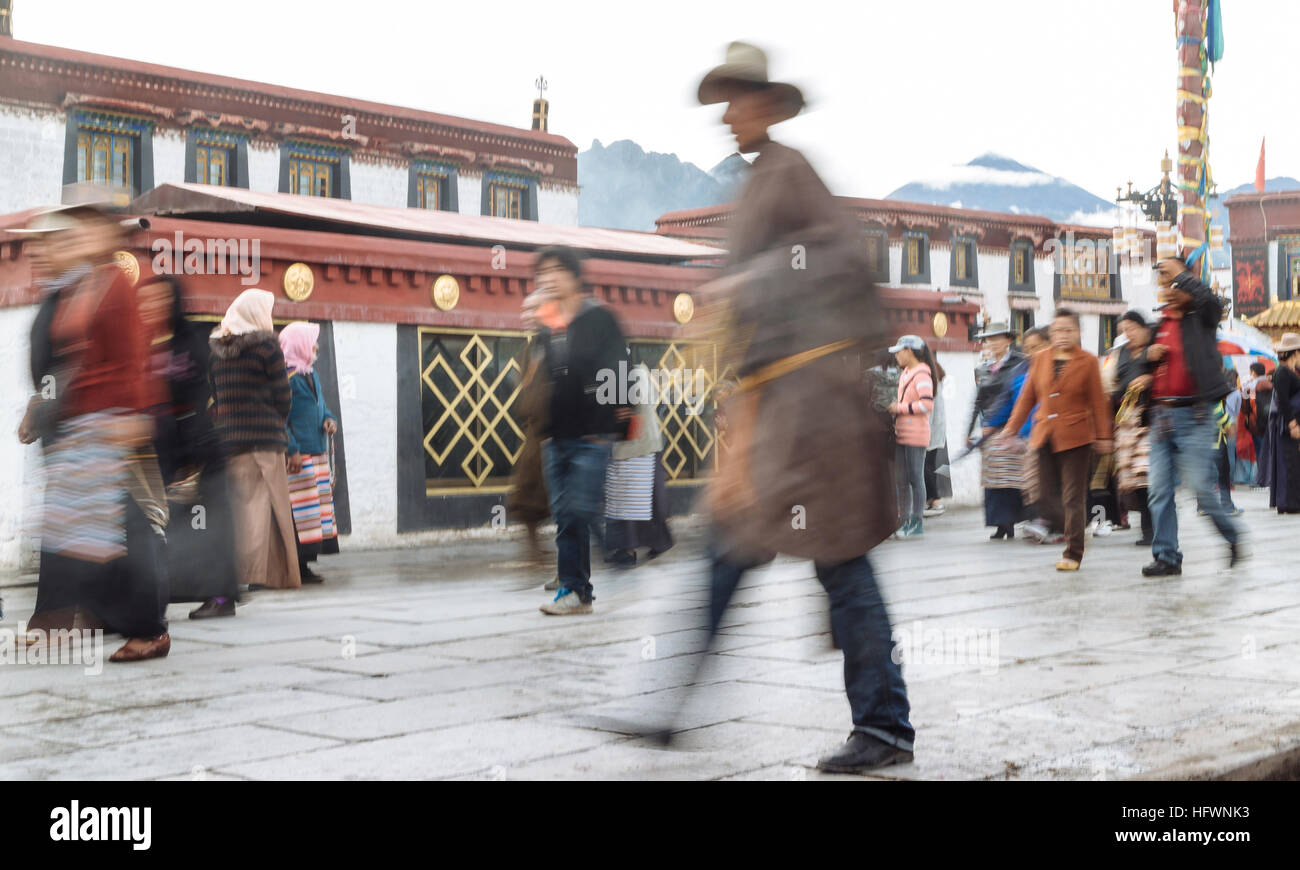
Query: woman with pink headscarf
{"x":250,"y":395}
{"x":311,"y":423}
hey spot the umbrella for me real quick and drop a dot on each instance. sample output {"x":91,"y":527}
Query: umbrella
{"x":1233,"y":340}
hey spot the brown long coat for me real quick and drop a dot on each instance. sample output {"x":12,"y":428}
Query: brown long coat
{"x":1073,"y":410}
{"x":528,"y":500}
{"x":818,"y":462}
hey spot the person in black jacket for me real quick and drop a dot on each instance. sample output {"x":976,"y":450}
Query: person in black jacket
{"x":200,"y":532}
{"x":584,"y":348}
{"x":1187,"y":380}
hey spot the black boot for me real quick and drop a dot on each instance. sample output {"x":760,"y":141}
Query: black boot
{"x":863,"y":752}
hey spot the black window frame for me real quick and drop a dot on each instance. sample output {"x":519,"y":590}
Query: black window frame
{"x":138,"y":130}
{"x":972,"y":261}
{"x":449,"y":179}
{"x":923,"y":258}
{"x":1022,"y":320}
{"x":1018,"y":247}
{"x":340,"y":184}
{"x":1106,"y":323}
{"x":528,"y":200}
{"x":236,"y":147}
{"x":879,"y":237}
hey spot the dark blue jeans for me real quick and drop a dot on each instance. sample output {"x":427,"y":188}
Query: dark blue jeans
{"x":1182,"y":448}
{"x":860,"y":623}
{"x":575,"y":479}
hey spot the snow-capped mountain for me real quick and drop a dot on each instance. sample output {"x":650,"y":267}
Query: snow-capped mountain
{"x":992,"y":182}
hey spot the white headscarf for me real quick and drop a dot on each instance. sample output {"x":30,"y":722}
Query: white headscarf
{"x":250,"y":312}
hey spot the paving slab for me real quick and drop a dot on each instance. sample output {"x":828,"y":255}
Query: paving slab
{"x":435,"y":663}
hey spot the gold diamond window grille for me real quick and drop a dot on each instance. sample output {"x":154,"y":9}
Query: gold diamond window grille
{"x":686,"y":416}
{"x":469,"y":381}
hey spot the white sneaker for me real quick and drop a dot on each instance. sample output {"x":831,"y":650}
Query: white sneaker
{"x":936,"y":511}
{"x":1034,"y":531}
{"x":1102,"y":529}
{"x":566,"y":603}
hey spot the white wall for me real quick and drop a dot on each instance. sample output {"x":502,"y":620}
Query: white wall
{"x":380,"y":183}
{"x":168,"y":157}
{"x":469,"y":192}
{"x":557,"y":206}
{"x":958,"y":391}
{"x":263,"y":167}
{"x":366,"y":359}
{"x":19,"y":464}
{"x":31,"y":157}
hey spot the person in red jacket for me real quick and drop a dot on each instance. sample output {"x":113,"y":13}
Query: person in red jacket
{"x":101,"y":552}
{"x":1073,"y":419}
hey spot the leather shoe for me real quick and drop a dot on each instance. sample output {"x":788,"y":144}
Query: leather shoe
{"x":214,"y":607}
{"x":862,"y":752}
{"x":137,"y":649}
{"x":1161,"y":568}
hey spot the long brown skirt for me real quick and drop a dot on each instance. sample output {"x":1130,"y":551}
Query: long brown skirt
{"x":265,"y":540}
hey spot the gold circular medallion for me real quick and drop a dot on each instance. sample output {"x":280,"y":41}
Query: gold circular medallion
{"x":940,"y":324}
{"x":445,"y":292}
{"x":127,"y":262}
{"x":298,"y":281}
{"x":683,"y":308}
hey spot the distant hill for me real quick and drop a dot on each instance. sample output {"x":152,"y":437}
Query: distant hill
{"x":995,"y":183}
{"x":625,"y":187}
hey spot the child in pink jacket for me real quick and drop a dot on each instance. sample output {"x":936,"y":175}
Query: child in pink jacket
{"x":912,"y":428}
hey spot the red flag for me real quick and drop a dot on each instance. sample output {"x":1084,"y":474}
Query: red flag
{"x":1259,"y":170}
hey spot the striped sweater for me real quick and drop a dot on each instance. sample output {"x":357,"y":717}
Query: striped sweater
{"x":915,"y":401}
{"x":250,"y":392}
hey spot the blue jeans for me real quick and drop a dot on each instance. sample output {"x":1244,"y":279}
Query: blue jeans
{"x":860,"y":624}
{"x":575,"y":479}
{"x":1182,"y":447}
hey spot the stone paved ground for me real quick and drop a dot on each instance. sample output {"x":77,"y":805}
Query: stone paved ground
{"x":435,"y":663}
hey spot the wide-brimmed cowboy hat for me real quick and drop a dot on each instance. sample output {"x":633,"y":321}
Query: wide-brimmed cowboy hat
{"x":745,"y":68}
{"x":1288,"y":342}
{"x":64,"y":217}
{"x":998,"y":328}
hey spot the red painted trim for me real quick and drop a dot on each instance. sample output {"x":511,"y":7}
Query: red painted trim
{"x":43,"y":74}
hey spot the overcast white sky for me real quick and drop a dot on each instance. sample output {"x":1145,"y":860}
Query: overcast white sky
{"x":900,"y":89}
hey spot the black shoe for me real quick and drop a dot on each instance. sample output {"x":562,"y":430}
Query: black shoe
{"x":622,"y":558}
{"x":1161,"y":568}
{"x":863,"y":752}
{"x":214,"y":607}
{"x":1235,"y":555}
{"x":1142,"y":542}
{"x":307,"y":575}
{"x":999,"y":534}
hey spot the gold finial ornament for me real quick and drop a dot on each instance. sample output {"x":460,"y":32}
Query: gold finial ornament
{"x":127,"y":262}
{"x":445,"y":292}
{"x":940,"y":324}
{"x":683,"y":308}
{"x":298,"y":281}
